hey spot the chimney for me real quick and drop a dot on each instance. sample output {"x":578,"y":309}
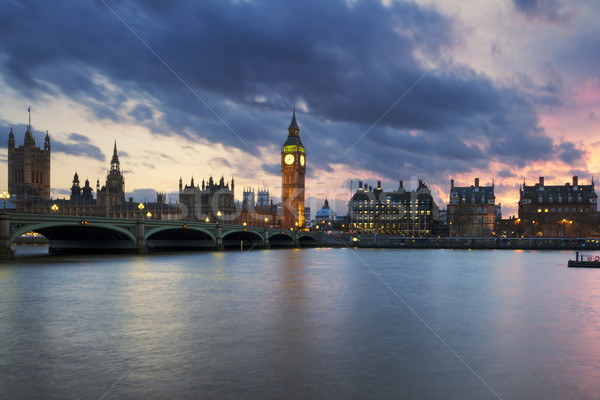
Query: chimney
{"x":451,"y":184}
{"x":476,"y":182}
{"x":541,"y":181}
{"x":575,"y":180}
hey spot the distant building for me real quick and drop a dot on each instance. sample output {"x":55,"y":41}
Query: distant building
{"x":563,"y":210}
{"x":471,"y":210}
{"x":109,"y":201}
{"x":206,"y":202}
{"x":325,"y":218}
{"x":113,"y":191}
{"x":399,"y":212}
{"x":81,"y":195}
{"x":28,"y":171}
{"x":261,"y":212}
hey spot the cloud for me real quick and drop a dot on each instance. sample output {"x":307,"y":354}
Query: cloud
{"x":546,"y":10}
{"x":569,"y":154}
{"x":244,"y":64}
{"x":141,"y":195}
{"x":78,"y":145}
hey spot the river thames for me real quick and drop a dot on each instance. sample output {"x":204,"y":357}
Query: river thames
{"x":300,"y":324}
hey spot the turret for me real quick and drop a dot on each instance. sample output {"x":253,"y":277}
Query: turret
{"x":114,"y":163}
{"x":47,"y":142}
{"x":11,"y":140}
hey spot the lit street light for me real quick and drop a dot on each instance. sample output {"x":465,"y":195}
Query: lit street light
{"x":4,"y":196}
{"x":54,"y":208}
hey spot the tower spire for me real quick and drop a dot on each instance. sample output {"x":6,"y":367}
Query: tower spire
{"x":294,"y":129}
{"x":29,"y":111}
{"x":114,"y":163}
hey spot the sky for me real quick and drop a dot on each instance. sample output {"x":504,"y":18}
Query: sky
{"x":501,"y":90}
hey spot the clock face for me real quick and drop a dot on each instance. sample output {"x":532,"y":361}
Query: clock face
{"x":302,"y":160}
{"x":289,"y":159}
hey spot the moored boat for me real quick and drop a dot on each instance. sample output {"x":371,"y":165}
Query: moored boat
{"x":585,"y":261}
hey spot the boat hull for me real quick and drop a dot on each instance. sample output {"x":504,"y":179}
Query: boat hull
{"x":584,"y":264}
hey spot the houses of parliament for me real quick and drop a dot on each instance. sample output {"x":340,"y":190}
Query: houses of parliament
{"x":212,"y":201}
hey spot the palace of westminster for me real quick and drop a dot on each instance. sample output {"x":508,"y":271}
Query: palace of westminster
{"x":568,"y":210}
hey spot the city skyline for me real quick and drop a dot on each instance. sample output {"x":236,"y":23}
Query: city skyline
{"x":429,"y":90}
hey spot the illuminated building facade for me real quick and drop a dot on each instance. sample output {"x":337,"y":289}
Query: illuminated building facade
{"x":471,"y":211}
{"x":293,"y":170}
{"x":553,"y":211}
{"x":399,"y":212}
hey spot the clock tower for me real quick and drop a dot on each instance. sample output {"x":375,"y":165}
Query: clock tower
{"x":293,"y":169}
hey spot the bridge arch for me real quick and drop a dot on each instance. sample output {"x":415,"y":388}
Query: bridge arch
{"x":242,"y":238}
{"x":72,"y":236}
{"x":170,"y":237}
{"x":307,"y":241}
{"x":282,"y":239}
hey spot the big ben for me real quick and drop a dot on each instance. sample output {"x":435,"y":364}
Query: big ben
{"x":293,"y":169}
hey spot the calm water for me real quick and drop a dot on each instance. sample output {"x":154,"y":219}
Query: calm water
{"x":307,"y":324}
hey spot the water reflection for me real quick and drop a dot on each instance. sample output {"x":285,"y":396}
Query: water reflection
{"x":310,"y":323}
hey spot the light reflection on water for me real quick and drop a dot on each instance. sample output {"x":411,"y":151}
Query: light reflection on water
{"x":312,"y":323}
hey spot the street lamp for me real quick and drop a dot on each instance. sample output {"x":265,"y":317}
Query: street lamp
{"x":54,"y":208}
{"x":4,"y":196}
{"x":207,"y":220}
{"x":149,"y":215}
{"x":266,"y":221}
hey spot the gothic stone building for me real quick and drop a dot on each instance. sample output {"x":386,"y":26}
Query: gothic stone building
{"x":206,"y":203}
{"x":471,"y":211}
{"x":399,"y":212}
{"x":561,"y":210}
{"x":258,"y":210}
{"x":28,"y":171}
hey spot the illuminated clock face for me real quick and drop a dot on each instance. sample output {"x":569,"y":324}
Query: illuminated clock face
{"x":302,"y":160}
{"x":289,"y":159}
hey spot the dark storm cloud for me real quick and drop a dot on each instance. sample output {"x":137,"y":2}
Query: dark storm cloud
{"x":250,"y":61}
{"x":548,"y":10}
{"x":569,"y":154}
{"x":78,"y":145}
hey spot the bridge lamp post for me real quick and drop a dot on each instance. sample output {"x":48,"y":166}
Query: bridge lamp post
{"x":4,"y":196}
{"x":141,"y":208}
{"x":54,"y":208}
{"x":266,"y":221}
{"x":149,"y":215}
{"x":218,"y":216}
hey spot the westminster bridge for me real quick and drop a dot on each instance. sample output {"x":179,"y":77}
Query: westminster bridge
{"x":128,"y":235}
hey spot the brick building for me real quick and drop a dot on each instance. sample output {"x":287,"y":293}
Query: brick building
{"x":559,"y":210}
{"x":472,"y":210}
